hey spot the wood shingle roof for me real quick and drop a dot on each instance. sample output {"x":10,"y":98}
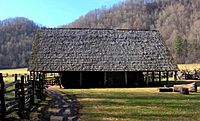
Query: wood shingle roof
{"x":99,"y":50}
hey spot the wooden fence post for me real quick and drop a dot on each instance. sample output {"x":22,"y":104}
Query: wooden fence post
{"x":29,"y":88}
{"x":16,"y":87}
{"x":2,"y":99}
{"x":39,"y":87}
{"x":32,"y":98}
{"x":22,"y":98}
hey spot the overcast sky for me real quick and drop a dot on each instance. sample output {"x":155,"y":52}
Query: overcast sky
{"x":50,"y":13}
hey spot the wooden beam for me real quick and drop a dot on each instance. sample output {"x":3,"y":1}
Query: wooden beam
{"x":126,"y":79}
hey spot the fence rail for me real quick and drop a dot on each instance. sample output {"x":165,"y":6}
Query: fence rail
{"x":19,"y":95}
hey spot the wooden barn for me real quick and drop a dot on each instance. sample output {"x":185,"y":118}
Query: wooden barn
{"x":101,"y":57}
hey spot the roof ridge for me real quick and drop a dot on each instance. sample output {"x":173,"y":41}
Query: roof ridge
{"x":98,"y":29}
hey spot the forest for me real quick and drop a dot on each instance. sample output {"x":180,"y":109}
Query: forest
{"x":177,"y":20}
{"x":16,"y":37}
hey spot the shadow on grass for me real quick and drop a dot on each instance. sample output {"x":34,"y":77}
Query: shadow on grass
{"x":118,"y":105}
{"x":32,"y":113}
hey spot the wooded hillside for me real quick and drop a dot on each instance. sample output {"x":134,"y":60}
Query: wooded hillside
{"x":16,"y":36}
{"x":177,"y":20}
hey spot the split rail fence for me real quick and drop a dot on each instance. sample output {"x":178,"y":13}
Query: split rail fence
{"x":19,"y":96}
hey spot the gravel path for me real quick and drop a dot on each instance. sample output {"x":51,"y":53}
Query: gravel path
{"x":61,"y":108}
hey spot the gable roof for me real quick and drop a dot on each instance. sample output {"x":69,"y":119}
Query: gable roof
{"x":64,"y":49}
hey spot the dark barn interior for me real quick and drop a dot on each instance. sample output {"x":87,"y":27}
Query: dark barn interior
{"x":96,"y":79}
{"x":92,"y":79}
{"x":135,"y":79}
{"x":70,"y":79}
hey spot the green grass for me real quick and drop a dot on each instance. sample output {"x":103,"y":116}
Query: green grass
{"x":14,"y":71}
{"x":8,"y":79}
{"x":136,"y":104}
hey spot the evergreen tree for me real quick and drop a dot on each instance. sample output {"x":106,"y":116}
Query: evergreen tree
{"x":178,"y":44}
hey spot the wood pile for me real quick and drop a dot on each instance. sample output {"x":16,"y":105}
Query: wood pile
{"x":184,"y":91}
{"x":192,"y":87}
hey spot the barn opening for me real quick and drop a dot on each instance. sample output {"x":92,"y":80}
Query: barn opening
{"x":92,"y":79}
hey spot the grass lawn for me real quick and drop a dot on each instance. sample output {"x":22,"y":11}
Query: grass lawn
{"x":188,"y":66}
{"x":14,"y":71}
{"x":136,"y":104}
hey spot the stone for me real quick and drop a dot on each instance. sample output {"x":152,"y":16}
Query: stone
{"x":65,"y":106}
{"x":72,"y":118}
{"x":56,"y":118}
{"x":67,"y":112}
{"x":54,"y":110}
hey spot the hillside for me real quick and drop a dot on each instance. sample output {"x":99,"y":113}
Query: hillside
{"x":16,"y":36}
{"x":177,"y":20}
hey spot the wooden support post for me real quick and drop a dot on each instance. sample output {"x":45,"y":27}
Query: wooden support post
{"x":31,"y":76}
{"x":44,"y":80}
{"x":36,"y":82}
{"x":81,"y":79}
{"x":147,"y":78}
{"x":126,"y":79}
{"x":28,"y":78}
{"x":167,"y":77}
{"x":22,"y":98}
{"x":105,"y":78}
{"x":159,"y":77}
{"x":60,"y":80}
{"x":37,"y":75}
{"x":2,"y":99}
{"x":175,"y":75}
{"x":40,"y":86}
{"x":153,"y":77}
